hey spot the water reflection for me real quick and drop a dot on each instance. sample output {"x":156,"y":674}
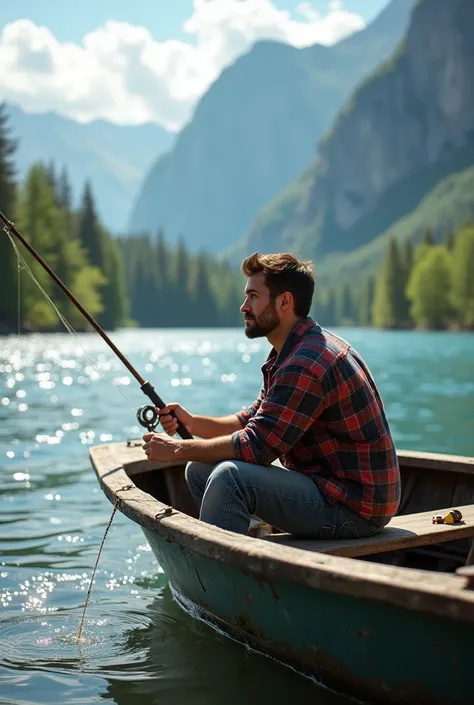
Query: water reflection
{"x":179,"y":654}
{"x":138,"y":643}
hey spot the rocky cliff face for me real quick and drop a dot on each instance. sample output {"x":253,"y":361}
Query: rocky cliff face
{"x":253,"y":132}
{"x":410,"y":124}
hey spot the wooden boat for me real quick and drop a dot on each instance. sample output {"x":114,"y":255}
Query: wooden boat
{"x":388,"y":619}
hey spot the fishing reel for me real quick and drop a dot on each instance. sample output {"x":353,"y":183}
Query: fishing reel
{"x":147,"y":417}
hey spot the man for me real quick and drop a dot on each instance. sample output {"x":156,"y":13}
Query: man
{"x":318,"y":411}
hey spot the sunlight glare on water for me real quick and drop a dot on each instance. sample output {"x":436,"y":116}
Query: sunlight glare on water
{"x":57,"y":398}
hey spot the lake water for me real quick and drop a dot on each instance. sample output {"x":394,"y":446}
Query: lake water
{"x":57,"y":398}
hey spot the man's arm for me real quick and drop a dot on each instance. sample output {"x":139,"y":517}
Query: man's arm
{"x":215,"y":426}
{"x":294,"y":400}
{"x":207,"y":450}
{"x":160,"y":446}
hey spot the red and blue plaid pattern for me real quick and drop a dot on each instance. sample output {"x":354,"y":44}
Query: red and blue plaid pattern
{"x":320,"y":413}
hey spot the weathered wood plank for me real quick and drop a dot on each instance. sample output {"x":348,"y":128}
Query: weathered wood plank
{"x":436,"y":461}
{"x":402,"y":532}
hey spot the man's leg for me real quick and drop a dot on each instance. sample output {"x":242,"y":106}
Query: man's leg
{"x":197,"y":475}
{"x":229,"y":493}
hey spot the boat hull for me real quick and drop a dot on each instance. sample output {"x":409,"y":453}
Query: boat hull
{"x":381,"y":632}
{"x":369,"y":649}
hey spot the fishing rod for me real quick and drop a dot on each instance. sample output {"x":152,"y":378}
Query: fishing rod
{"x":146,"y":415}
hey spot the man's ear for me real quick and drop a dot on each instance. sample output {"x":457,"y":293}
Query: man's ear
{"x":286,"y":301}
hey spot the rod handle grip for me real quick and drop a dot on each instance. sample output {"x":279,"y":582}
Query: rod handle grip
{"x":157,"y":401}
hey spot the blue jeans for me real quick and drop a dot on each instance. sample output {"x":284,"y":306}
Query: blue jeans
{"x":230,"y":492}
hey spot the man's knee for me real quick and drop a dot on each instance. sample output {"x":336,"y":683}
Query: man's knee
{"x":224,"y":476}
{"x":196,"y":472}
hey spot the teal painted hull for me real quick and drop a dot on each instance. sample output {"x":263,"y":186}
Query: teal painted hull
{"x":366,"y":648}
{"x":387,"y":634}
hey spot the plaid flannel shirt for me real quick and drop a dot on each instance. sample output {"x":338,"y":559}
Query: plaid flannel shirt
{"x":320,"y":413}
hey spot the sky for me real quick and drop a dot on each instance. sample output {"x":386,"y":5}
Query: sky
{"x":148,"y":60}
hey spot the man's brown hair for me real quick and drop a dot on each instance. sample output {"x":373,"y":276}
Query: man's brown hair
{"x":284,"y":272}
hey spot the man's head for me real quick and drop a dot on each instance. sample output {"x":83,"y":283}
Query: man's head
{"x":279,"y":291}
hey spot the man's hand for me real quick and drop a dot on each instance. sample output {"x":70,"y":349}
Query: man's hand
{"x":159,"y":446}
{"x":170,"y":423}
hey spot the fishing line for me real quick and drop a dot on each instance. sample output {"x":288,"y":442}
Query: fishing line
{"x":19,"y":268}
{"x":81,"y":625}
{"x":146,"y":415}
{"x":22,"y":264}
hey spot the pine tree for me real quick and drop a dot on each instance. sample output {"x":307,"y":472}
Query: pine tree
{"x":183,"y":309}
{"x":50,"y":171}
{"x":8,"y":268}
{"x":366,"y":301}
{"x":39,"y":222}
{"x":164,"y":302}
{"x":407,"y":266}
{"x":449,"y":241}
{"x":144,"y":298}
{"x":228,"y":291}
{"x":90,"y":232}
{"x":429,"y":289}
{"x":344,"y":307}
{"x":207,"y":314}
{"x":42,"y":223}
{"x":84,"y":281}
{"x":64,"y":189}
{"x":65,"y":202}
{"x":330,"y":311}
{"x":388,"y":307}
{"x":407,"y":256}
{"x":428,"y":238}
{"x":231,"y":315}
{"x":114,"y":299}
{"x":463,"y":276}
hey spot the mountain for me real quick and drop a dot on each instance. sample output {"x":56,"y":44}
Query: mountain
{"x":387,"y":160}
{"x":443,"y":210}
{"x":115,"y":158}
{"x":253,"y":132}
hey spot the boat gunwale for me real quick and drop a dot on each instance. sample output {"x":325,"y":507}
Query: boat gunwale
{"x":436,"y":593}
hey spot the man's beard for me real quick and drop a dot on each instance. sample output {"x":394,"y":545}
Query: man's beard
{"x":264,"y":324}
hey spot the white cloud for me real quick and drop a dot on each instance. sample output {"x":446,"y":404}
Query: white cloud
{"x":120,"y":73}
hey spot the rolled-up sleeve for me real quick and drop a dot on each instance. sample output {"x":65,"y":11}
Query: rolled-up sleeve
{"x":293,"y":402}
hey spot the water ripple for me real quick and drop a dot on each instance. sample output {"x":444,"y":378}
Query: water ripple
{"x":138,"y":646}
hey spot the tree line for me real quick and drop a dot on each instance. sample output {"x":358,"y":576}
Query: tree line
{"x":428,"y":286}
{"x":120,"y":281}
{"x":171,"y":288}
{"x":142,"y":281}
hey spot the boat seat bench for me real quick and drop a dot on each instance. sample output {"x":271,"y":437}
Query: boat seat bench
{"x":406,"y":531}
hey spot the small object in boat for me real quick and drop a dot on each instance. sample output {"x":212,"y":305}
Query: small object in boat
{"x":166,"y":511}
{"x":452,"y":517}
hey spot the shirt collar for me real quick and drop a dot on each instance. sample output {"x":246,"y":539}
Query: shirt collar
{"x":301,"y":327}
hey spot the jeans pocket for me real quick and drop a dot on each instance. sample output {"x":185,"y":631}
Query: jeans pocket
{"x":348,"y":530}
